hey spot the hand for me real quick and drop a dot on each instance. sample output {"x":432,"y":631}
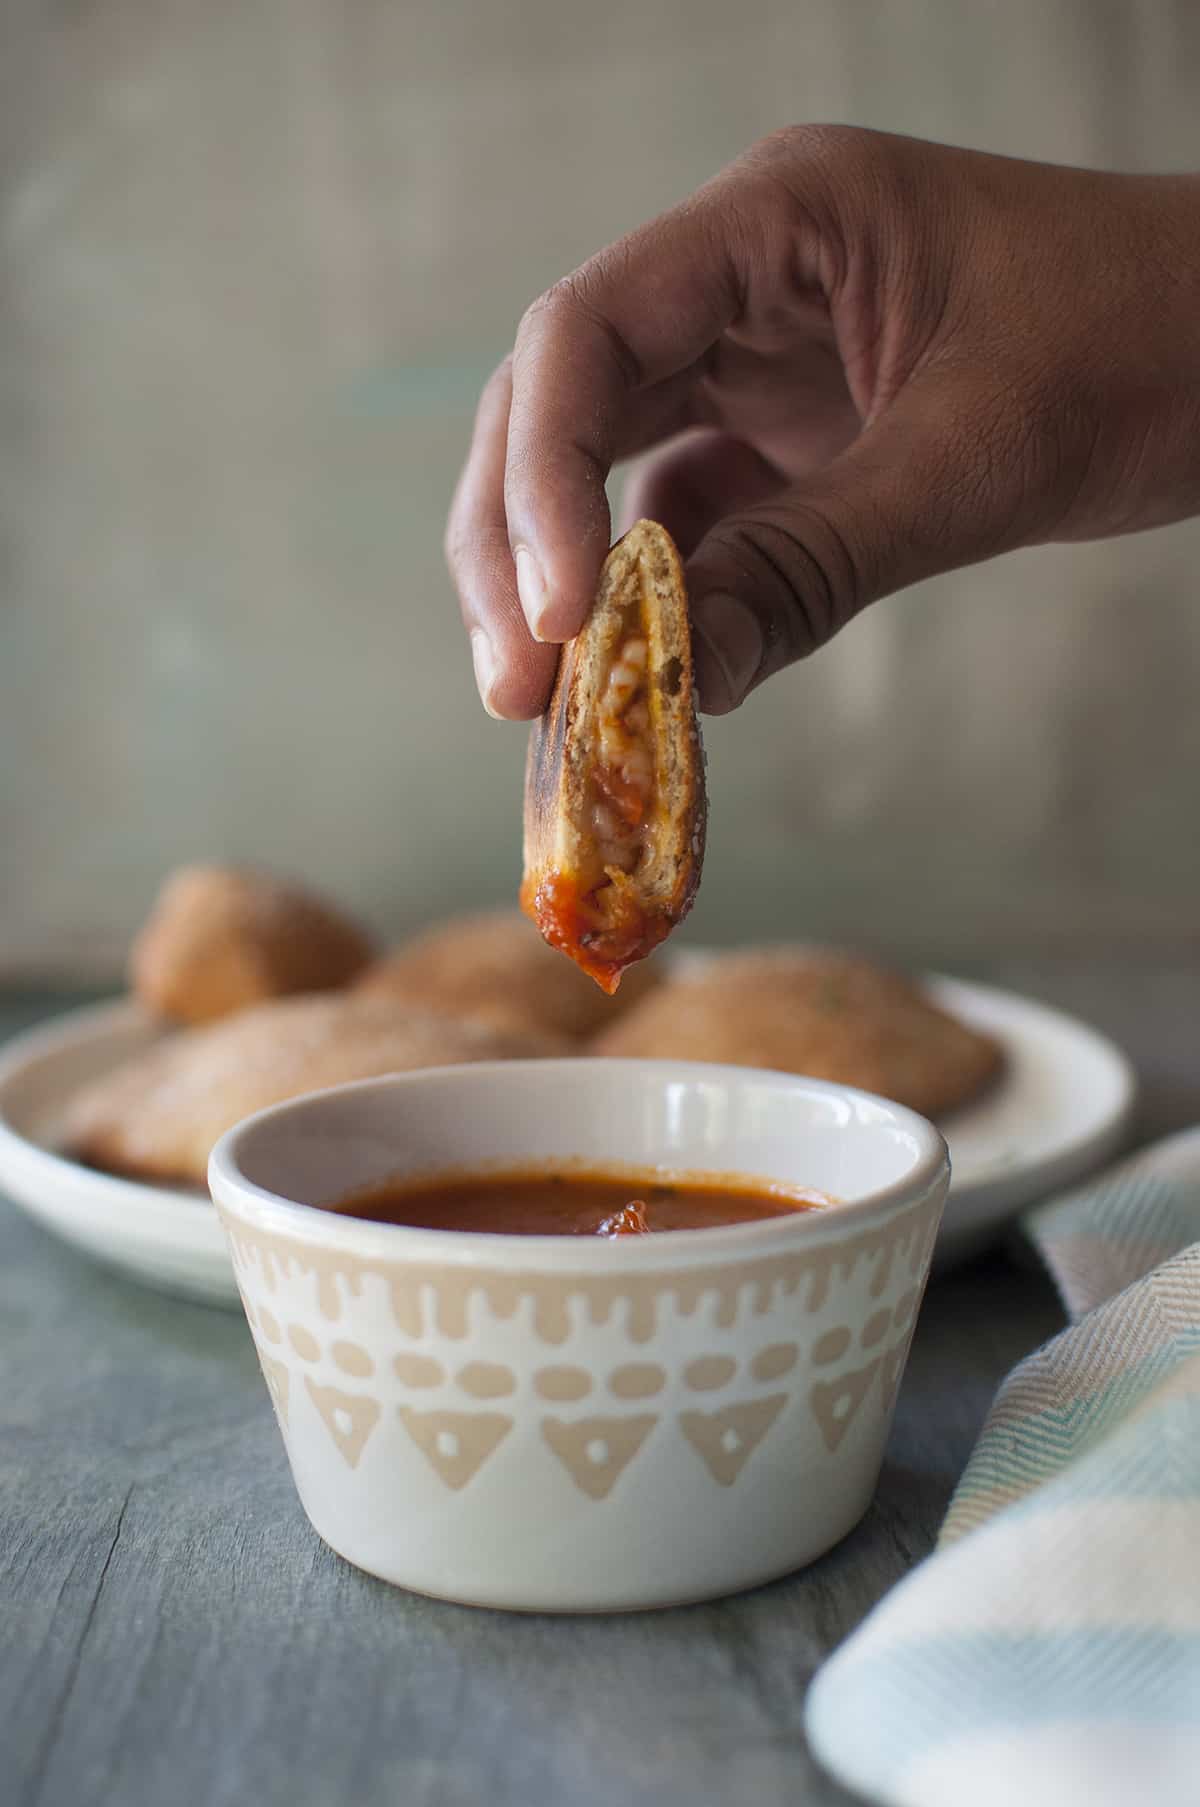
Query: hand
{"x":864,"y":360}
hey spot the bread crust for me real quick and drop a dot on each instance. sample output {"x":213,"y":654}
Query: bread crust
{"x":222,"y":938}
{"x":156,"y":1116}
{"x":642,"y":583}
{"x":816,"y":1011}
{"x":495,"y":968}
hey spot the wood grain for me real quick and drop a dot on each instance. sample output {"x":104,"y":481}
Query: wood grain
{"x":171,"y":1629}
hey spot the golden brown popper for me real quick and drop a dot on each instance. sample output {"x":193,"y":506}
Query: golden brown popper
{"x":614,"y":782}
{"x":819,"y":1011}
{"x":222,"y":938}
{"x":156,"y":1116}
{"x":494,"y":967}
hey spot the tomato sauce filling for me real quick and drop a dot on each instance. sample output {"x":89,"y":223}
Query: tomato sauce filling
{"x":587,"y":1202}
{"x":595,"y":916}
{"x":601,"y":938}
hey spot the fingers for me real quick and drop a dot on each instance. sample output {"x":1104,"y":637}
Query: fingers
{"x":514,"y":675}
{"x":915,"y":495}
{"x":689,"y":487}
{"x":692,"y":483}
{"x":620,"y":336}
{"x":624,"y":353}
{"x":520,"y":583}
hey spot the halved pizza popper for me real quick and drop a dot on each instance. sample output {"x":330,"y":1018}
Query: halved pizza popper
{"x":614,"y":782}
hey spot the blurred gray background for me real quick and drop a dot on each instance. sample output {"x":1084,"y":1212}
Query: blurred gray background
{"x":257,"y":258}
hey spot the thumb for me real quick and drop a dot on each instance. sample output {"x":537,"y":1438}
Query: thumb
{"x":771,"y":583}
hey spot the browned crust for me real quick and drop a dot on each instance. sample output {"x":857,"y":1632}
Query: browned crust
{"x":157,"y":1116}
{"x":643,"y":566}
{"x":495,"y":967}
{"x":819,"y":1012}
{"x":222,"y":938}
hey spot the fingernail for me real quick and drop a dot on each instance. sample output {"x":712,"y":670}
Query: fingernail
{"x":734,"y":642}
{"x":531,"y":588}
{"x":484,"y":661}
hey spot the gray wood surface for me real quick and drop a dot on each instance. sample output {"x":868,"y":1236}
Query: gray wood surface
{"x":172,"y":1630}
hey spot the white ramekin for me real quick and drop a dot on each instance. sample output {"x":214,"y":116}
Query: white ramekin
{"x":554,"y":1423}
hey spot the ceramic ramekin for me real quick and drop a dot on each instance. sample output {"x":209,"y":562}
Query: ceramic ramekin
{"x":554,"y":1424}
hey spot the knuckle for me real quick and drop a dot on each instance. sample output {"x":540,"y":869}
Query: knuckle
{"x":472,"y":545}
{"x":830,"y":184}
{"x":557,"y":306}
{"x":544,"y":319}
{"x":575,"y":306}
{"x":873,"y":183}
{"x":480,"y":565}
{"x":541,"y":308}
{"x":455,"y":544}
{"x":798,"y":574}
{"x":831,"y":151}
{"x":457,"y":549}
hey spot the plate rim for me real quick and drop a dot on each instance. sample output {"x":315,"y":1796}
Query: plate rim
{"x":983,"y":1206}
{"x":57,"y":1034}
{"x":197,"y":1232}
{"x":1121,"y":1067}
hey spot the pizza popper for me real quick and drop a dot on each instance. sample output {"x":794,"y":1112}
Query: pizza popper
{"x":614,"y":782}
{"x":494,"y":967}
{"x":812,"y":1010}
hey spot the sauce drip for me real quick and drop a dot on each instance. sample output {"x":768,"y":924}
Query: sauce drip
{"x":602,"y":943}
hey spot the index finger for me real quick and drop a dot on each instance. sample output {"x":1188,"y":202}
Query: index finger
{"x":514,"y":676}
{"x":640,"y":313}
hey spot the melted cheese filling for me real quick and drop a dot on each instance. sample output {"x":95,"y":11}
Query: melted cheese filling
{"x":622,"y":780}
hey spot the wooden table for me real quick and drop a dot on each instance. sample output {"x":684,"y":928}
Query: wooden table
{"x":172,"y":1631}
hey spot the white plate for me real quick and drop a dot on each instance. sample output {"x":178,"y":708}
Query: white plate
{"x":167,"y":1237}
{"x":1060,"y":1110}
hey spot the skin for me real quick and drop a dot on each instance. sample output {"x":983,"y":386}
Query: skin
{"x":854,"y":360}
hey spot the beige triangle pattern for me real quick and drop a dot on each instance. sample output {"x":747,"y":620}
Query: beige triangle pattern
{"x":836,"y":1401}
{"x":349,"y":1417}
{"x":596,"y":1451}
{"x":456,"y":1444}
{"x":276,"y":1375}
{"x":891,"y":1366}
{"x":726,"y":1440}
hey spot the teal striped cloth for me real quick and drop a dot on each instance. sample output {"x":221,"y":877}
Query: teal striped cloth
{"x":1048,"y":1653}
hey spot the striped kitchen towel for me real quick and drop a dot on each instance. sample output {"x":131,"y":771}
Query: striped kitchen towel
{"x":1048,"y":1653}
